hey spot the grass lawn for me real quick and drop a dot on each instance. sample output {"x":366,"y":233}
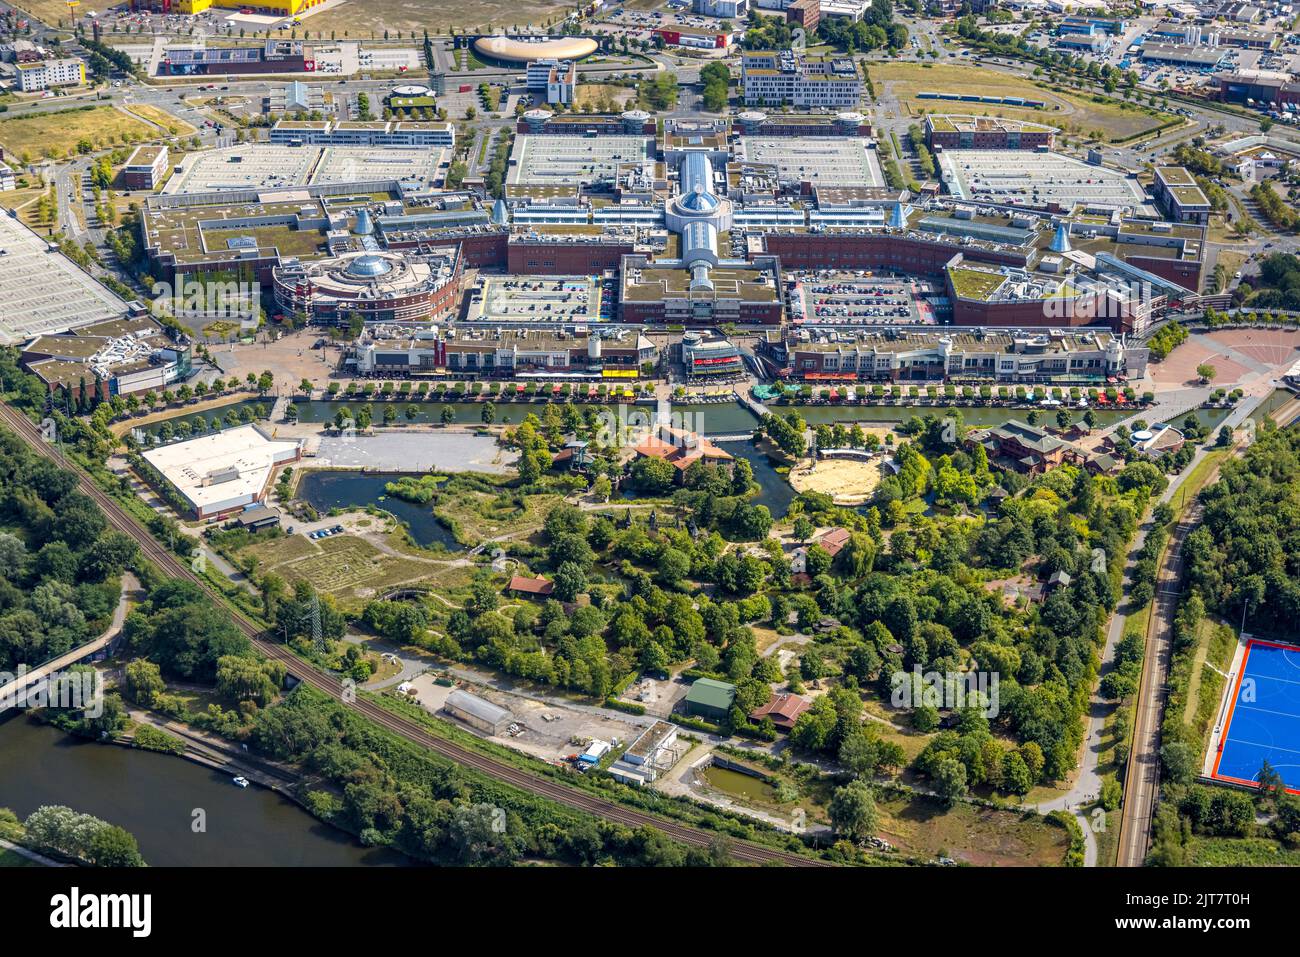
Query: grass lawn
{"x":1242,"y":852}
{"x":480,"y":515}
{"x":56,"y":135}
{"x":361,"y":20}
{"x":924,"y":827}
{"x":1215,"y":644}
{"x":173,"y":124}
{"x":601,"y":95}
{"x":975,"y":283}
{"x":1075,"y":113}
{"x":54,"y":12}
{"x":344,"y":566}
{"x":10,"y":858}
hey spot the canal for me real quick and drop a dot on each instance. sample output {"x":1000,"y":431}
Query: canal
{"x":154,"y":796}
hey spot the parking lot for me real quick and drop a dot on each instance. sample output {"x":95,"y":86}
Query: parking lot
{"x":530,"y":299}
{"x":570,"y":160}
{"x":822,"y":161}
{"x":858,"y":298}
{"x":1035,"y":179}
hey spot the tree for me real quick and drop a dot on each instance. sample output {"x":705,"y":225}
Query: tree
{"x":570,"y":581}
{"x":1206,"y":372}
{"x":853,"y":811}
{"x":803,"y":529}
{"x":949,"y":777}
{"x":144,"y":682}
{"x":653,"y":475}
{"x":673,"y":566}
{"x":1016,"y":778}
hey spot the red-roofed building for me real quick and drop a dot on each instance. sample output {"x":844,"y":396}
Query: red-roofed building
{"x":682,"y":449}
{"x":784,"y":710}
{"x":834,"y":541}
{"x":536,"y":587}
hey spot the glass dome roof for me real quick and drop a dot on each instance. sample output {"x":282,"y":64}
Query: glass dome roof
{"x":366,"y":267}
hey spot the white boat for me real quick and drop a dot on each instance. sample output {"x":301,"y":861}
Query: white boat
{"x":241,"y":781}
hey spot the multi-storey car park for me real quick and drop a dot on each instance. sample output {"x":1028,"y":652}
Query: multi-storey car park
{"x":43,"y":291}
{"x":264,"y":166}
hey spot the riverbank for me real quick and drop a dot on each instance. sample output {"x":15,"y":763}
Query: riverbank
{"x":181,"y":812}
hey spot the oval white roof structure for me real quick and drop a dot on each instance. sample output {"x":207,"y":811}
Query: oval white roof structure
{"x":521,"y":51}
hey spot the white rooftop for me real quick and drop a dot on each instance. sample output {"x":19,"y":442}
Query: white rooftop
{"x":62,"y":297}
{"x":223,"y":467}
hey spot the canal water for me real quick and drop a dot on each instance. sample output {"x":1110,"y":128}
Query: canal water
{"x":348,"y":490}
{"x":154,"y":796}
{"x":199,"y":420}
{"x":776,"y":492}
{"x":507,"y":413}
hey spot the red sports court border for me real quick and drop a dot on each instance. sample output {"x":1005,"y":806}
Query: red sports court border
{"x":1232,"y":707}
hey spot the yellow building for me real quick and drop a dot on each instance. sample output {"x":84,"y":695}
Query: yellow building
{"x":281,"y":8}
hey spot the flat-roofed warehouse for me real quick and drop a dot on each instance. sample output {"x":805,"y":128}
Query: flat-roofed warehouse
{"x":477,"y":712}
{"x":221,"y":473}
{"x":42,"y":292}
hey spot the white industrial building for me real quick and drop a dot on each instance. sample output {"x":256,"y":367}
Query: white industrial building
{"x":222,"y":473}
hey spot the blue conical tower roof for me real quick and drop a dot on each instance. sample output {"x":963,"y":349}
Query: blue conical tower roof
{"x":1061,"y":241}
{"x":898,"y":218}
{"x":365,"y":225}
{"x":500,"y":213}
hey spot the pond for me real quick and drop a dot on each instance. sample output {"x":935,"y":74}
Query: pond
{"x":776,"y":492}
{"x":743,"y":787}
{"x":349,"y":490}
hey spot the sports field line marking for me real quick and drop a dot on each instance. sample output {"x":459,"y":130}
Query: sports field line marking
{"x":1285,"y":681}
{"x":1284,"y":714}
{"x":1256,"y":744}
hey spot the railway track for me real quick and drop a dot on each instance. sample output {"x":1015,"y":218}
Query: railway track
{"x":1142,"y":779}
{"x":499,"y":770}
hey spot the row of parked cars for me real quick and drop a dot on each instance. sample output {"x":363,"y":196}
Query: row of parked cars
{"x":325,"y":532}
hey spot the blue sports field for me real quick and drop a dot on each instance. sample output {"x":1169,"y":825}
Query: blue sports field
{"x":1263,"y":717}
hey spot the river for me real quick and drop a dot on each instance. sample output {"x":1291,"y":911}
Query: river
{"x":154,"y":797}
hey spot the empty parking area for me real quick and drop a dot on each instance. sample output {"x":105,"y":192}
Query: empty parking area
{"x":822,"y":161}
{"x":1035,"y":179}
{"x":536,"y":299}
{"x":567,"y":161}
{"x":857,"y":298}
{"x":357,"y":164}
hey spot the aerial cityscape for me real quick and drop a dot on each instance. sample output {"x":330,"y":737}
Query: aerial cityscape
{"x":702,"y":433}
